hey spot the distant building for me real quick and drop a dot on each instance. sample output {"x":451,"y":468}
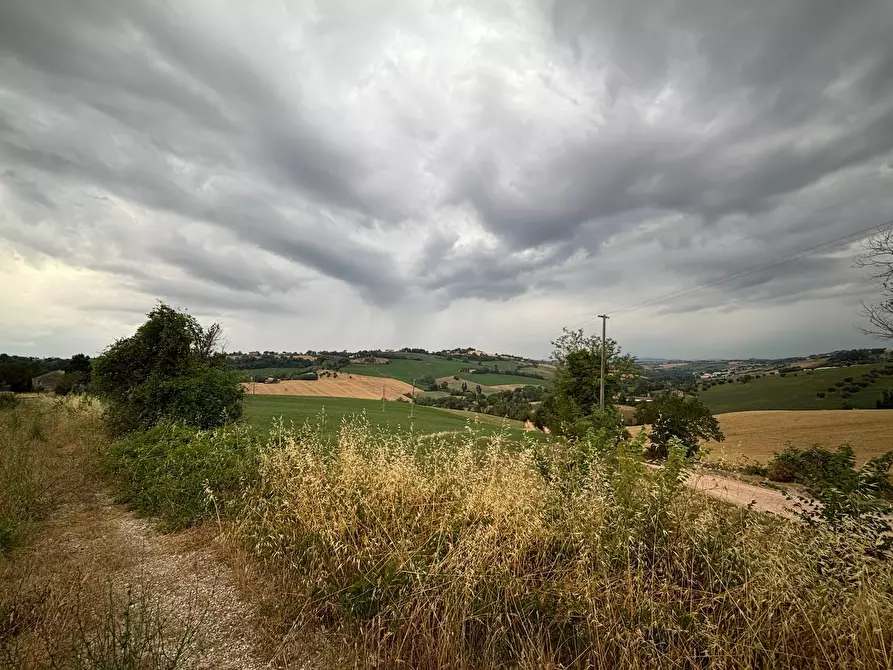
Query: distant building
{"x":48,"y":381}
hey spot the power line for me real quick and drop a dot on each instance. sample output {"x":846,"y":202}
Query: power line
{"x":746,"y":272}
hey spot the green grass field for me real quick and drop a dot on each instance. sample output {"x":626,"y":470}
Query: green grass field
{"x":796,"y":392}
{"x":262,"y":410}
{"x":495,"y":380}
{"x":546,"y":370}
{"x":435,"y":366}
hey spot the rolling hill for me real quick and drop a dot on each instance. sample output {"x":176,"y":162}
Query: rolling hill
{"x":435,"y":366}
{"x":800,"y":390}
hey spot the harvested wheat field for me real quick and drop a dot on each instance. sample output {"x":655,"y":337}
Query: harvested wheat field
{"x":757,"y":435}
{"x":344,"y":386}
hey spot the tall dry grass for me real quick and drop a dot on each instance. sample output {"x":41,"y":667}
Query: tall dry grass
{"x":61,"y":608}
{"x":562,"y":557}
{"x":38,"y":437}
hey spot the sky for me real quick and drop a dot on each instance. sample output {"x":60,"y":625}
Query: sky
{"x":441,"y":173}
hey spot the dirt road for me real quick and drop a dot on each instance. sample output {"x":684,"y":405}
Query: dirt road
{"x":740,"y":493}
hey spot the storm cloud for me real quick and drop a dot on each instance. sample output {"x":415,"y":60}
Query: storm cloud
{"x":352,"y":174}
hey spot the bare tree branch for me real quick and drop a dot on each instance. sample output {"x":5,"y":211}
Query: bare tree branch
{"x":878,"y":258}
{"x":211,"y":340}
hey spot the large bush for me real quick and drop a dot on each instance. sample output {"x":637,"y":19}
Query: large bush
{"x":182,"y":474}
{"x":169,"y":369}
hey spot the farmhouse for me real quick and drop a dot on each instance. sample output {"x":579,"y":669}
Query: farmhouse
{"x":48,"y":381}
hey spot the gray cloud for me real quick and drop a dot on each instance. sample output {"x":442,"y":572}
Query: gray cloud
{"x":408,"y":158}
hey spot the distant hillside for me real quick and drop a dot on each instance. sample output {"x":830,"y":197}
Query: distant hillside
{"x":858,"y":386}
{"x":426,"y":365}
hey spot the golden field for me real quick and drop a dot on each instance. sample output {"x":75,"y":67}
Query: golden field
{"x":759,"y":434}
{"x":344,"y":386}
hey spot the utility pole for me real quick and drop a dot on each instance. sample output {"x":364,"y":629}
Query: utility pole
{"x":412,"y":400}
{"x":601,"y":397}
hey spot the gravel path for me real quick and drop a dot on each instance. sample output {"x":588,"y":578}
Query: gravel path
{"x":100,"y":537}
{"x":740,"y":493}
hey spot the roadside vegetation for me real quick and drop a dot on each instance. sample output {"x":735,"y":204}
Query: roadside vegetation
{"x":56,"y":612}
{"x":468,"y":549}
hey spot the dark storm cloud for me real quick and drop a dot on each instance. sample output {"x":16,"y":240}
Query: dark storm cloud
{"x":773,"y":62}
{"x":101,"y":58}
{"x":568,"y":148}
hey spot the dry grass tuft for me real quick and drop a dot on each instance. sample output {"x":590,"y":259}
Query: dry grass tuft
{"x":570,"y":558}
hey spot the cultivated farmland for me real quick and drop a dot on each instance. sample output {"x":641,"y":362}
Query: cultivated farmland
{"x":263,"y":373}
{"x":757,"y":435}
{"x":342,"y":386}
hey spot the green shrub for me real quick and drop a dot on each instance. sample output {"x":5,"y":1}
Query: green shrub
{"x":168,"y":370}
{"x":686,"y":419}
{"x":182,"y":474}
{"x":820,"y":394}
{"x":846,"y":404}
{"x":813,"y":464}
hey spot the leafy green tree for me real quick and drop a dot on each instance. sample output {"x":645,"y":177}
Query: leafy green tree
{"x":16,"y":374}
{"x":684,"y":418}
{"x":170,"y":368}
{"x":79,"y":363}
{"x":71,"y":382}
{"x":571,"y":408}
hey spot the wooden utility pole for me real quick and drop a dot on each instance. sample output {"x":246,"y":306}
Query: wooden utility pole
{"x":601,"y":397}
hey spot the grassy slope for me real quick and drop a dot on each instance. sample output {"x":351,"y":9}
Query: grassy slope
{"x":435,"y":366}
{"x":494,"y":380}
{"x":261,"y":410}
{"x":789,"y":392}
